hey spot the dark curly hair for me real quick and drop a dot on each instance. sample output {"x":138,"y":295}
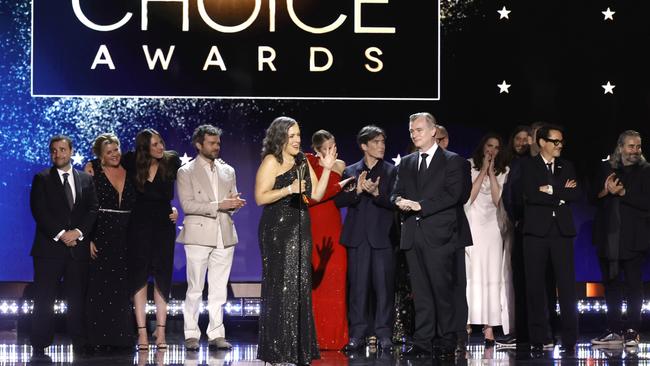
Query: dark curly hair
{"x":143,"y":158}
{"x":276,"y":136}
{"x":499,"y":160}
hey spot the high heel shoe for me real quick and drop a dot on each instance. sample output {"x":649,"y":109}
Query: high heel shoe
{"x":155,"y":335}
{"x":142,"y":346}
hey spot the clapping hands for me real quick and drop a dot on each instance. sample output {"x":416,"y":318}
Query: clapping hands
{"x":614,"y":185}
{"x":367,"y":185}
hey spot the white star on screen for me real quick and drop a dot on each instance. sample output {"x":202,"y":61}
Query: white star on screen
{"x":608,"y":14}
{"x":503,"y":87}
{"x":185,"y":159}
{"x":397,"y":160}
{"x":77,"y":159}
{"x":503,"y":13}
{"x":609,"y":88}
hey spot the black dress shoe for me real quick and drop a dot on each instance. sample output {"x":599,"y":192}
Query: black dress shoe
{"x":353,"y":345}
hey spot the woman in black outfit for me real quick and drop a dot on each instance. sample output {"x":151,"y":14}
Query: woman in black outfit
{"x":152,"y":229}
{"x":108,"y":311}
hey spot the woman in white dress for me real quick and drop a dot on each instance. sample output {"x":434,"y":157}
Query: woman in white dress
{"x":488,"y":261}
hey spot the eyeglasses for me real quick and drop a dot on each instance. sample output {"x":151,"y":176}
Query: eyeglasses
{"x":555,"y":142}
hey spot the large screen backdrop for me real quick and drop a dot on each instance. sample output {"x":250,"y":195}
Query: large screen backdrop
{"x":554,"y":58}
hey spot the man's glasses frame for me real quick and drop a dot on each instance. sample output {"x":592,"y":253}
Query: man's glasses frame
{"x":555,"y":142}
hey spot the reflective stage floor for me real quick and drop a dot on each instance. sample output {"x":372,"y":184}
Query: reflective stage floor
{"x":244,"y":353}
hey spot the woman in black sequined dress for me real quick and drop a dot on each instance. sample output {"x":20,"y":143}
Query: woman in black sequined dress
{"x":286,"y":323}
{"x":109,"y":314}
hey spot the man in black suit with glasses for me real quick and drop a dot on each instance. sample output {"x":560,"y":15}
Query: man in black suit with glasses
{"x":549,"y":184}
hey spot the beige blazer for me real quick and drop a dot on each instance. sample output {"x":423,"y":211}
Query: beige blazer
{"x":203,"y":219}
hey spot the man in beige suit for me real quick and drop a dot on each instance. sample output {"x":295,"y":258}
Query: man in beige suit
{"x":208,"y":194}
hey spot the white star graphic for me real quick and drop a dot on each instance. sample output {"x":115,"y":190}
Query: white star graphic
{"x":397,"y":160}
{"x":503,"y":87}
{"x":77,"y":159}
{"x":609,"y":88}
{"x":504,"y":13}
{"x":185,"y":159}
{"x":608,"y":14}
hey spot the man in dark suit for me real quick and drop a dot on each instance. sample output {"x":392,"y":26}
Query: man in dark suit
{"x":429,"y":190}
{"x":549,"y":186}
{"x":622,"y":237}
{"x":366,"y":235}
{"x":64,"y":206}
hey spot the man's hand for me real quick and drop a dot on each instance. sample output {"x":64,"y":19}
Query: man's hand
{"x":372,"y":187}
{"x":570,"y":183}
{"x":548,"y":189}
{"x":407,"y":205}
{"x":614,"y":186}
{"x":232,"y":202}
{"x":71,"y":244}
{"x":69,"y":237}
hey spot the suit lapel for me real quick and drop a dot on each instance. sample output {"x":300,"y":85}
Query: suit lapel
{"x":221,"y":183}
{"x":202,"y":177}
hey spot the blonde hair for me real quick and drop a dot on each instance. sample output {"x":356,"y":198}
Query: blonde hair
{"x":103,"y":140}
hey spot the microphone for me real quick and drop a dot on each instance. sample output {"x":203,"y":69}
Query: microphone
{"x":301,"y":164}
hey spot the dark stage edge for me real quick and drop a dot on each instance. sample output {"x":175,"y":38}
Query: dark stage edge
{"x":18,"y":352}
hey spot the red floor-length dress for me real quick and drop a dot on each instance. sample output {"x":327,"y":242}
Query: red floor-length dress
{"x":328,"y":295}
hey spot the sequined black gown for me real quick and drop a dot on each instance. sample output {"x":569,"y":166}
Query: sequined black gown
{"x":286,"y":323}
{"x":109,"y":313}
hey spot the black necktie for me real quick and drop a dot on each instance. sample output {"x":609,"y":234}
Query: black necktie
{"x":68,"y":190}
{"x":423,"y":167}
{"x":549,"y":173}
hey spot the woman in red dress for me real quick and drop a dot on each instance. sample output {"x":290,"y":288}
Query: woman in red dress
{"x":329,"y":258}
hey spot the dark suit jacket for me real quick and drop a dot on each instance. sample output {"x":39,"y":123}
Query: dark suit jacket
{"x":633,"y":216}
{"x":368,"y":218}
{"x":52,"y":214}
{"x":441,"y":195}
{"x":539,"y":206}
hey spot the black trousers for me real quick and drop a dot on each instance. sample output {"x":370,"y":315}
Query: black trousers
{"x":371,"y":271}
{"x":47,"y":276}
{"x":615,"y":288}
{"x":538,"y":251}
{"x":460,"y":295}
{"x":432,"y":279}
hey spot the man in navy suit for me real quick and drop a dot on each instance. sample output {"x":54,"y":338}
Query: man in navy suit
{"x":366,"y":235}
{"x":64,"y":206}
{"x":549,"y":186}
{"x":430,"y":190}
